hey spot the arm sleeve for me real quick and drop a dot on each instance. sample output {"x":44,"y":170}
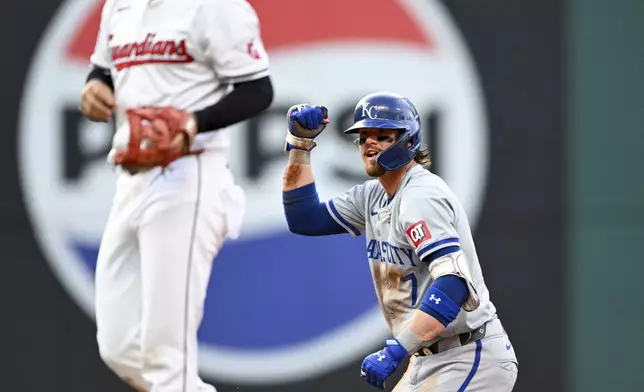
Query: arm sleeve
{"x":348,"y":209}
{"x":305,"y":214}
{"x":444,"y":298}
{"x":101,"y":56}
{"x":247,"y":100}
{"x":233,"y":43}
{"x":428,"y":221}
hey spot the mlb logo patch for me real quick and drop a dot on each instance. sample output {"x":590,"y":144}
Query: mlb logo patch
{"x":418,"y":233}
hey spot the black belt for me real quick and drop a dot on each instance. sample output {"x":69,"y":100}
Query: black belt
{"x":464,"y":338}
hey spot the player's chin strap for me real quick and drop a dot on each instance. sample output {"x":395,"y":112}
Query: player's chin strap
{"x":455,"y":263}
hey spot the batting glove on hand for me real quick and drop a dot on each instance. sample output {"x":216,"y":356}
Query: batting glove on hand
{"x":305,"y":123}
{"x":378,"y":366}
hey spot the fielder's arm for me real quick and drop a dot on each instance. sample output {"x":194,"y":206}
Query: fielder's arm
{"x":228,"y":30}
{"x":97,"y":97}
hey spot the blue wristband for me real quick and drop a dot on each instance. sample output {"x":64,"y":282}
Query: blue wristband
{"x":438,"y":305}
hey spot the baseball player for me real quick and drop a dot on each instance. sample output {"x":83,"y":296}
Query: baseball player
{"x":173,"y":74}
{"x":420,"y":249}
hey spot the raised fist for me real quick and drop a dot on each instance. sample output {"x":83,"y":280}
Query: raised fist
{"x":305,"y":123}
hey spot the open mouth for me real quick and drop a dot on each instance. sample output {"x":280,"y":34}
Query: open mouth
{"x":371,"y":153}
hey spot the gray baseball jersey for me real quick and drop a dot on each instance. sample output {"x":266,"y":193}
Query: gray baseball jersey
{"x":422,"y":217}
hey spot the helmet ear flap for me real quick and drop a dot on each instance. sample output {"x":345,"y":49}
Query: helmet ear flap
{"x":398,"y":154}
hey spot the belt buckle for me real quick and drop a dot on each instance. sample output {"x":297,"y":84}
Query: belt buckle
{"x":465,"y":340}
{"x":427,"y":350}
{"x":466,"y":337}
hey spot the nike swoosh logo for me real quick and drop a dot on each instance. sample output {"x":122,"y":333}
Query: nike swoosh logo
{"x":373,"y":213}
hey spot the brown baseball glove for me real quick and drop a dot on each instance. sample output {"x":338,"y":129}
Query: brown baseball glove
{"x":158,"y":136}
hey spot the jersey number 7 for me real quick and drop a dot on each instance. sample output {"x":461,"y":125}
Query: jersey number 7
{"x":414,"y":287}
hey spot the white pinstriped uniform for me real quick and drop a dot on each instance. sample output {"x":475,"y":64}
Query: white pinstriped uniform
{"x":164,"y":229}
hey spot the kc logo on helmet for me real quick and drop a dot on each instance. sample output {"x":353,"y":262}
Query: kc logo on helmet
{"x":371,"y":112}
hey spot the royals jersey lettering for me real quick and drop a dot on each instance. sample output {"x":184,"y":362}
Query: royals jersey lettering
{"x":422,"y":217}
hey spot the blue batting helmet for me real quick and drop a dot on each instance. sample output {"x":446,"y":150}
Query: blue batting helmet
{"x":384,"y":110}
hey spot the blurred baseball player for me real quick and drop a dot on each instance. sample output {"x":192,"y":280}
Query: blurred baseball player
{"x":423,"y":261}
{"x":173,"y":73}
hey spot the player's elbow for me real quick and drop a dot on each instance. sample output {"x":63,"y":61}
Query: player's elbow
{"x":298,"y":226}
{"x":302,"y":221}
{"x":258,"y":94}
{"x":293,"y":222}
{"x":316,"y":222}
{"x":266,"y":93}
{"x":305,"y":215}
